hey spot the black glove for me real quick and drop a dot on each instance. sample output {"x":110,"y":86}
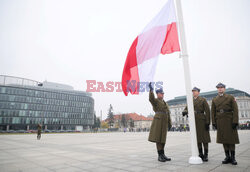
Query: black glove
{"x":215,"y":126}
{"x":234,"y":126}
{"x":207,"y":127}
{"x":184,"y":113}
{"x":150,"y":87}
{"x":169,"y":127}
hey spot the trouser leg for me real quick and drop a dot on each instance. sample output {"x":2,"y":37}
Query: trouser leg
{"x":160,"y":146}
{"x":232,"y":147}
{"x":226,"y":147}
{"x":228,"y":158}
{"x":232,"y":152}
{"x":205,"y":145}
{"x":200,"y":150}
{"x":160,"y":150}
{"x":39,"y":136}
{"x":199,"y":145}
{"x":163,"y":146}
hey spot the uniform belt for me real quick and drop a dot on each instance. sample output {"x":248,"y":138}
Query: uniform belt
{"x":199,"y":112}
{"x":224,"y":110}
{"x":162,"y":112}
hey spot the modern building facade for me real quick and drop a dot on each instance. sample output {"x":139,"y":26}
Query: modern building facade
{"x":26,"y":103}
{"x":178,"y":104}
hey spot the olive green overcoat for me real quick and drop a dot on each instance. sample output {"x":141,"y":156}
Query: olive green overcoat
{"x":202,"y":117}
{"x":161,"y":121}
{"x":224,"y":114}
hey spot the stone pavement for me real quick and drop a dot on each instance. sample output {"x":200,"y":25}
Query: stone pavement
{"x":111,"y":152}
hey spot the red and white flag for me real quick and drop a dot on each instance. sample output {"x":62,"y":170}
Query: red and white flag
{"x":160,"y":36}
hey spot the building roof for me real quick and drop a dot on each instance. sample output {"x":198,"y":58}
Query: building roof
{"x":208,"y":95}
{"x":18,"y":82}
{"x":54,"y":85}
{"x":133,"y":116}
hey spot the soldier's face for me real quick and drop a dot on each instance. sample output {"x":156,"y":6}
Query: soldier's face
{"x":221,"y":90}
{"x":160,"y":96}
{"x":196,"y":93}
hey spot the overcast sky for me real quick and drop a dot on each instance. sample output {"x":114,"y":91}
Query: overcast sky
{"x":71,"y":41}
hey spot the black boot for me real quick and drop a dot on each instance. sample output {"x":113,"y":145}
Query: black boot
{"x":201,"y":153}
{"x":227,"y":159}
{"x":205,"y":158}
{"x":233,"y":161}
{"x":160,"y":156}
{"x":165,"y":157}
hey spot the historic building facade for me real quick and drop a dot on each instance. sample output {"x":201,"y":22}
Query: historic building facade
{"x":178,"y":104}
{"x":132,"y":120}
{"x":26,"y":103}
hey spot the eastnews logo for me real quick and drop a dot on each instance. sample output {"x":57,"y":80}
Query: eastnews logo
{"x":110,"y":86}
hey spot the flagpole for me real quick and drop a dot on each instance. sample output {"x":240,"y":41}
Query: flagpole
{"x":194,"y":159}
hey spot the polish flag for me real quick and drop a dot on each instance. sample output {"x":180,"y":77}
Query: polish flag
{"x":160,"y":36}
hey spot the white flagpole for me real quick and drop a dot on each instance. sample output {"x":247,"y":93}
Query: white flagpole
{"x":194,"y":159}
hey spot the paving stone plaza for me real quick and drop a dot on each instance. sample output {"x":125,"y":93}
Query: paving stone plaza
{"x":111,"y":152}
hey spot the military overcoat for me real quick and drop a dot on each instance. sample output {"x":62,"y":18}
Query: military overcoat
{"x":202,"y":118}
{"x":224,"y":114}
{"x":161,"y":121}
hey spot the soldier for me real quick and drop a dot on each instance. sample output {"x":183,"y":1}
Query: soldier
{"x":225,"y":119}
{"x":202,"y":122}
{"x":161,"y":122}
{"x":39,"y":130}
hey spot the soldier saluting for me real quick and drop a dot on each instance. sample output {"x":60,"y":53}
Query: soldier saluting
{"x":225,"y":119}
{"x":161,"y":122}
{"x":202,"y":122}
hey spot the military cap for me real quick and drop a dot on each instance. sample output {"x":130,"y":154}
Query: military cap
{"x":160,"y":90}
{"x":196,"y":89}
{"x":220,"y":85}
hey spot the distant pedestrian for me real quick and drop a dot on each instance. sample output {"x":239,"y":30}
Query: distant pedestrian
{"x":39,"y":131}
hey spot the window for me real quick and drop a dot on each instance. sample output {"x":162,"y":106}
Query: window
{"x":241,"y":113}
{"x":16,"y":120}
{"x":22,"y":113}
{"x":246,"y":114}
{"x":9,"y":120}
{"x":2,"y":90}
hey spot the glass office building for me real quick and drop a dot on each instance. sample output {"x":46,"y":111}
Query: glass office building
{"x":26,"y":103}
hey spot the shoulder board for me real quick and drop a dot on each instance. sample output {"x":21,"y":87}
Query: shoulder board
{"x":229,"y":96}
{"x":232,"y":97}
{"x":203,"y":98}
{"x":215,"y":97}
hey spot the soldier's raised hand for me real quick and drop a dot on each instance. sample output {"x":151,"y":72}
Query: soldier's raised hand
{"x":150,"y":86}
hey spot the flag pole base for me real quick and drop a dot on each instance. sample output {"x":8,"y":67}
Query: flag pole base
{"x":195,"y":160}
